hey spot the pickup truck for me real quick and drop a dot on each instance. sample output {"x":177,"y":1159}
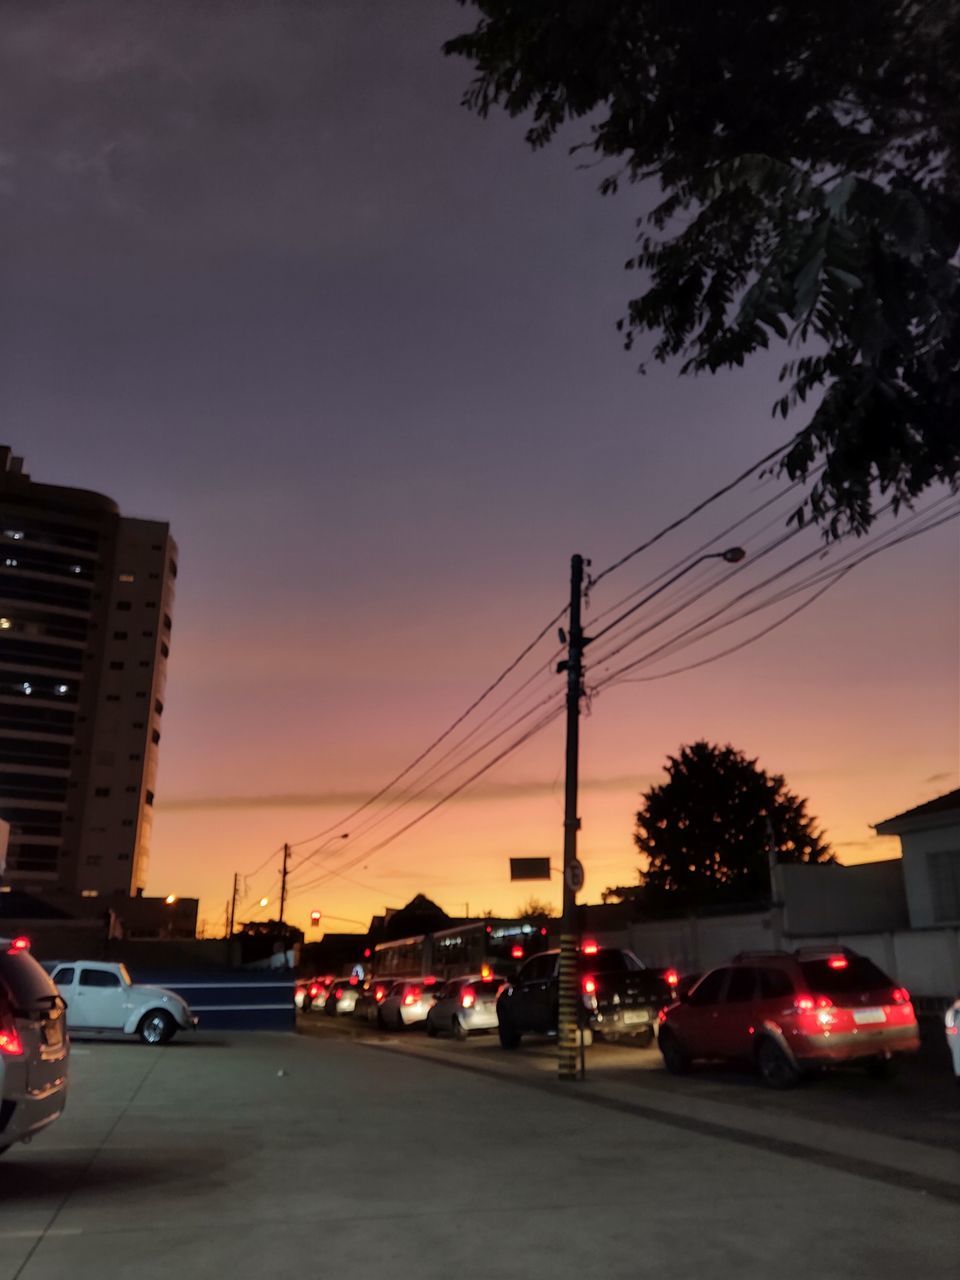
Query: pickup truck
{"x":103,"y":1000}
{"x":619,"y":997}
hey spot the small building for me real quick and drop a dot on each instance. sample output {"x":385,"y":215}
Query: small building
{"x":930,"y":841}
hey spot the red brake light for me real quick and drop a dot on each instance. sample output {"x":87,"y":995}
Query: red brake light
{"x":10,"y":1043}
{"x":672,"y":977}
{"x":838,"y":962}
{"x":589,"y":948}
{"x":900,"y":995}
{"x":354,"y":980}
{"x":338,"y":993}
{"x":590,"y":986}
{"x":379,"y":993}
{"x":468,"y":997}
{"x":20,"y":944}
{"x":517,"y":952}
{"x":803,"y":1002}
{"x":412,"y":996}
{"x":429,"y":982}
{"x":314,"y":989}
{"x":543,"y":931}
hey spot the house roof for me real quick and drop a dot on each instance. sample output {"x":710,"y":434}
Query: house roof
{"x":922,"y":814}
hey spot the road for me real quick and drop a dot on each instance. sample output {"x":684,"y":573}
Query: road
{"x":327,"y":1155}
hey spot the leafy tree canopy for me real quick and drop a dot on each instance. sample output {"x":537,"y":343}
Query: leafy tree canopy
{"x":802,"y":161}
{"x":705,"y":833}
{"x":534,"y":909}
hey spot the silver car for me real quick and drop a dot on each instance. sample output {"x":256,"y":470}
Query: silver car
{"x":465,"y":1005}
{"x":34,"y":1049}
{"x":406,"y":1004}
{"x":342,"y":995}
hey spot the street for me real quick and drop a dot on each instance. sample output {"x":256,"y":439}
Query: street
{"x":329,"y":1154}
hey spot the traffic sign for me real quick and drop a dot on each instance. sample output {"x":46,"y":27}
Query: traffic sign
{"x":574,"y":875}
{"x":529,"y":868}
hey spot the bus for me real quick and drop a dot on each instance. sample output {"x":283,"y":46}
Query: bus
{"x":478,"y":946}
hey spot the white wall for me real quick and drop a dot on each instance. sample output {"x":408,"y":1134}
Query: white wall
{"x":916,"y":845}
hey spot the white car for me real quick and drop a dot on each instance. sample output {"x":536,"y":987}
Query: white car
{"x":102,"y":1000}
{"x":34,"y":1049}
{"x":406,"y":1004}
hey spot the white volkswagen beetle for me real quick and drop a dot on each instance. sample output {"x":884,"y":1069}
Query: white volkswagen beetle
{"x":102,"y":1000}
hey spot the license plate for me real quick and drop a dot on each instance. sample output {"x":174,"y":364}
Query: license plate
{"x":865,"y":1016}
{"x":636,"y":1015}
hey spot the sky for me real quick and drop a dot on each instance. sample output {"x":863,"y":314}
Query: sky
{"x":265,"y":278}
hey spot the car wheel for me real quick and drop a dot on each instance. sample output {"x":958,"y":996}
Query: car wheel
{"x":459,"y":1030}
{"x":675,"y":1057}
{"x":776,"y":1069}
{"x":156,"y":1027}
{"x":881,"y":1067}
{"x":432,"y":1029}
{"x":509,"y":1039}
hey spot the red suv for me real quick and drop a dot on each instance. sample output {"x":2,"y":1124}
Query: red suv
{"x":790,"y":1012}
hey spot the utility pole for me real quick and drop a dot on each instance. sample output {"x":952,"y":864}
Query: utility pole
{"x":283,"y":880}
{"x":572,"y":871}
{"x":233,"y":904}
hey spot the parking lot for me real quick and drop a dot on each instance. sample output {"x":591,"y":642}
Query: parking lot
{"x":332,"y":1154}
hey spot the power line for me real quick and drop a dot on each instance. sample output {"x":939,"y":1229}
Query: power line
{"x":441,"y":737}
{"x":701,"y":506}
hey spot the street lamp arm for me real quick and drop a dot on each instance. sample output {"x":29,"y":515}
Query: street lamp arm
{"x":732,"y":555}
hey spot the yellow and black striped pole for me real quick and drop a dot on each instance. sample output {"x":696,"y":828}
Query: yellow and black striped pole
{"x":569,"y":979}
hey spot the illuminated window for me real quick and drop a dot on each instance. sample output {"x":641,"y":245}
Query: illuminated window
{"x":27,"y":687}
{"x":127,"y":577}
{"x":76,"y":568}
{"x":89,"y":893}
{"x":5,"y":624}
{"x":61,"y":689}
{"x":11,"y":563}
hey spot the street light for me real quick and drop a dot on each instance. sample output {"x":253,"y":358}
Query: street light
{"x":264,"y":901}
{"x":170,"y":899}
{"x":576,"y":641}
{"x":732,"y":555}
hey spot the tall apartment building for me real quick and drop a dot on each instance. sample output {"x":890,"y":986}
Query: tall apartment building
{"x":86,"y":603}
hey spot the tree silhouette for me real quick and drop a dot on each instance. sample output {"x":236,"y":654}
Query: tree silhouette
{"x":797,"y":168}
{"x":706,"y":832}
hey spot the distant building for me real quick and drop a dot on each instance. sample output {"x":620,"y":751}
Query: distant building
{"x":86,"y":604}
{"x":930,"y":840}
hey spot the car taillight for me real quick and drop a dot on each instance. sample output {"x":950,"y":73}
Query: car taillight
{"x":590,"y":986}
{"x":516,"y":952}
{"x":468,"y":997}
{"x":354,"y":980}
{"x":379,"y":994}
{"x":806,"y":1003}
{"x":662,"y":1015}
{"x":314,"y":990}
{"x":11,"y":1045}
{"x":412,"y":996}
{"x":671,"y":977}
{"x":590,"y":948}
{"x":900,"y":995}
{"x":838,"y":962}
{"x":338,"y":994}
{"x":19,"y":944}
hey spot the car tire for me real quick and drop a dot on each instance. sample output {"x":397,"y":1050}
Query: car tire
{"x":675,"y":1057}
{"x":776,"y":1069}
{"x":156,"y":1027}
{"x":881,"y":1067}
{"x":432,"y":1029}
{"x":459,"y":1030}
{"x":509,"y":1039}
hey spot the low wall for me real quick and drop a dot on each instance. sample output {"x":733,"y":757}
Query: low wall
{"x":229,"y":999}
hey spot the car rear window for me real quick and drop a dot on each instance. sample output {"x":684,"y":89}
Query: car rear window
{"x":25,"y":981}
{"x":832,"y":978}
{"x":488,"y":987}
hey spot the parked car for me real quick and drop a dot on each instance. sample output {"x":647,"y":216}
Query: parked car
{"x":406,"y":1004}
{"x":619,"y":997}
{"x":790,"y":1013}
{"x":465,"y":1005}
{"x":342,"y":995}
{"x":370,"y":996}
{"x":311,"y":993}
{"x":103,"y":1000}
{"x":34,"y":1048}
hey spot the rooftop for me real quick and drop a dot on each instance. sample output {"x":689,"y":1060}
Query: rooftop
{"x":941,"y":805}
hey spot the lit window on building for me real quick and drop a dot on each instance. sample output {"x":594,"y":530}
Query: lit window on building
{"x":27,"y":687}
{"x":76,"y":568}
{"x":5,"y":624}
{"x":11,"y":563}
{"x":127,"y":577}
{"x":62,"y":689}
